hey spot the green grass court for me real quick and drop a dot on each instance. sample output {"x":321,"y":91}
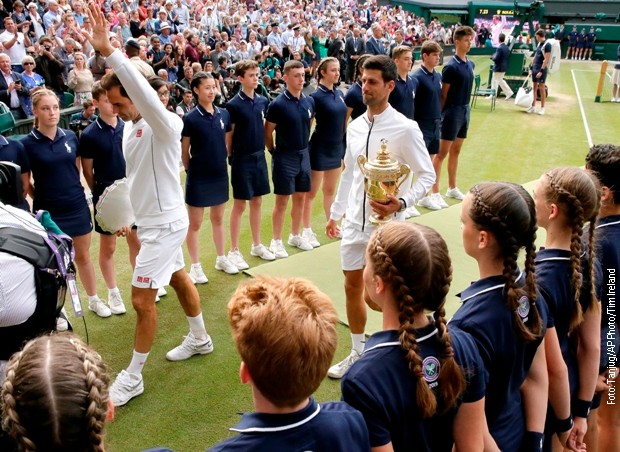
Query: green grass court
{"x":189,"y":406}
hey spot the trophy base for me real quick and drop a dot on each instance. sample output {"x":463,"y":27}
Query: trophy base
{"x":379,"y":221}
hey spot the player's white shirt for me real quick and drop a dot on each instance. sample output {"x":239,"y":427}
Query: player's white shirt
{"x":152,"y":149}
{"x":406,"y":145}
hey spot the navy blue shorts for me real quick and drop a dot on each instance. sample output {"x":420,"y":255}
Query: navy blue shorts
{"x":202,"y":192}
{"x":249,"y":176}
{"x":98,"y":229}
{"x":431,"y":130}
{"x":291,"y":172}
{"x":543,"y":75}
{"x":324,"y":156}
{"x":455,"y":122}
{"x":74,"y":222}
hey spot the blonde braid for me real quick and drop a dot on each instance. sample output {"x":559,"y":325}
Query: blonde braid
{"x":55,"y":396}
{"x":11,"y":420}
{"x":97,"y":384}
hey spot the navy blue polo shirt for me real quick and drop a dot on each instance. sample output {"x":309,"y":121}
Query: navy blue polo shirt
{"x":608,"y":254}
{"x":590,"y":38}
{"x":57,"y":185}
{"x":403,"y":95}
{"x":207,"y":134}
{"x":428,"y":95}
{"x":330,"y":113}
{"x":507,"y":358}
{"x":104,"y":145}
{"x":248,"y":117}
{"x":354,"y":100}
{"x":459,"y":75}
{"x":553,"y":276}
{"x":13,"y":151}
{"x":333,"y":426}
{"x":539,"y":56}
{"x":383,"y":388}
{"x":292,"y":117}
{"x":581,"y":39}
{"x":572,"y":37}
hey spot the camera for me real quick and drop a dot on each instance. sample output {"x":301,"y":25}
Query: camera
{"x":48,"y":48}
{"x":79,"y":125}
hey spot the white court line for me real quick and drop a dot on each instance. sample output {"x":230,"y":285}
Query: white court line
{"x":583,"y":113}
{"x":589,"y":70}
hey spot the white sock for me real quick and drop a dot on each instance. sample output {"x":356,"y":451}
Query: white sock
{"x":308,"y":230}
{"x":197,"y":327}
{"x":113,"y":291}
{"x":137,"y":363}
{"x":358,"y":341}
{"x":93,"y":298}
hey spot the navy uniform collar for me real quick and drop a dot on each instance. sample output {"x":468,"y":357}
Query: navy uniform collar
{"x":243,"y":96}
{"x":325,"y":89}
{"x":458,"y":60}
{"x":552,"y":254}
{"x":485,"y":285}
{"x":3,"y":141}
{"x":264,"y":422}
{"x":203,"y":112}
{"x":102,"y":124}
{"x":611,"y":220}
{"x":427,"y":72}
{"x":39,"y":136}
{"x":290,"y":96}
{"x":389,"y":338}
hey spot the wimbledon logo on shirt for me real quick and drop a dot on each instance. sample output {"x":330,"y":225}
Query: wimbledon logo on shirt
{"x":524,"y":308}
{"x":430,"y":370}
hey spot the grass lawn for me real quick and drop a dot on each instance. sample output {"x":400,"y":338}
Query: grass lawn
{"x":188,"y":406}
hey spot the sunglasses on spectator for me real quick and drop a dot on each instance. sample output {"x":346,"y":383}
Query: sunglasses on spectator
{"x":28,"y":64}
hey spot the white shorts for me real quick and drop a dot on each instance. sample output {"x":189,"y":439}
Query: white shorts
{"x":161,"y":254}
{"x":353,"y":247}
{"x":615,"y":77}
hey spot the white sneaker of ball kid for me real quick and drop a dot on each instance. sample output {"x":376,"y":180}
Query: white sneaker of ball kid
{"x":224,"y":264}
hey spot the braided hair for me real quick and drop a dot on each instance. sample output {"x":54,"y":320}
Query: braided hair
{"x":577,"y":195}
{"x":413,"y":261}
{"x":507,"y":211}
{"x":55,"y":396}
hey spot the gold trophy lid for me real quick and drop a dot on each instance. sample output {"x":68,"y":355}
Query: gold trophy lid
{"x":383,"y":167}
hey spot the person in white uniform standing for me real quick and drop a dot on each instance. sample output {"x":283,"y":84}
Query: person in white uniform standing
{"x":364,"y":136}
{"x":152,"y":148}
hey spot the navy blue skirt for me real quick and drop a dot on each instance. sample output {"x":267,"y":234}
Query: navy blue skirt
{"x":74,"y":222}
{"x":206,"y":192}
{"x":326,"y":156}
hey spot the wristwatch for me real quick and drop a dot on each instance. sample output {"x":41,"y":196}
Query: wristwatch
{"x":403,"y":204}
